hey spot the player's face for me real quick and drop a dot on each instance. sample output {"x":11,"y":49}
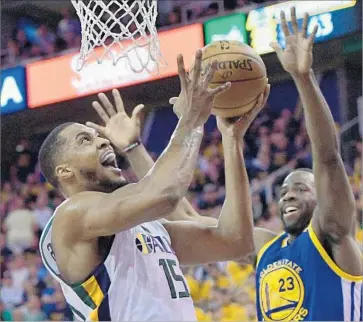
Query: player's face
{"x":91,"y":159}
{"x":297,"y":201}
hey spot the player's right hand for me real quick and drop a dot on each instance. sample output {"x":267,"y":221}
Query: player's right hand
{"x":237,"y":127}
{"x":119,"y":128}
{"x":195,"y":101}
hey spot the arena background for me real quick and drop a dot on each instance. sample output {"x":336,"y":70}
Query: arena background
{"x":40,"y":89}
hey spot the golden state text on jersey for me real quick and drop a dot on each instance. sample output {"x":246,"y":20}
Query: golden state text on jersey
{"x":300,"y":282}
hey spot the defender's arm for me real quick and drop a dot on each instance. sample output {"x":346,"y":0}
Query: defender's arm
{"x":333,"y":219}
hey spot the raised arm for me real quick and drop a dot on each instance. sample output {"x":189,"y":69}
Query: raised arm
{"x":141,"y":162}
{"x":334,"y":217}
{"x":232,"y":237}
{"x":128,"y":143}
{"x":160,"y":191}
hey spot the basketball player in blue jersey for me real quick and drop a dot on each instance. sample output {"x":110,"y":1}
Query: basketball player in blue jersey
{"x":107,"y":245}
{"x":313,"y":271}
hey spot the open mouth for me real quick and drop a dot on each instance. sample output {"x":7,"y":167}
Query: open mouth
{"x":290,"y":210}
{"x":108,"y":160}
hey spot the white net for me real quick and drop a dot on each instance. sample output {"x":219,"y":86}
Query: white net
{"x":124,"y":28}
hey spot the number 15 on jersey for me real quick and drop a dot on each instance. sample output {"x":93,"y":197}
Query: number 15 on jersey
{"x":173,"y":278}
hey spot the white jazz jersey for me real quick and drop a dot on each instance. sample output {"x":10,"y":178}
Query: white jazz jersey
{"x":140,"y":280}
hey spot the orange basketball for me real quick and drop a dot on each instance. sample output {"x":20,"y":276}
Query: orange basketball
{"x":240,"y":65}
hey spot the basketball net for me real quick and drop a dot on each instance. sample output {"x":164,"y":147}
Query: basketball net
{"x":124,"y":29}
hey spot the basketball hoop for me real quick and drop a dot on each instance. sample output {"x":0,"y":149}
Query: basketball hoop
{"x":125,"y":29}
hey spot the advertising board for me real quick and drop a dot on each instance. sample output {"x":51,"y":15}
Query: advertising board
{"x":56,"y":80}
{"x":231,"y":27}
{"x":334,"y":18}
{"x":13,"y":90}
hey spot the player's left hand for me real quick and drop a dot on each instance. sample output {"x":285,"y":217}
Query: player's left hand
{"x":119,"y":128}
{"x":237,"y":128}
{"x":297,"y":58}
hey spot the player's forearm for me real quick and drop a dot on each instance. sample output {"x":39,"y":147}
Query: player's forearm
{"x":176,"y":164}
{"x":319,"y":120}
{"x":236,"y":220}
{"x":140,"y":161}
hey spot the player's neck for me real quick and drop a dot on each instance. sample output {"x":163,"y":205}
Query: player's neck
{"x":291,"y":239}
{"x":71,"y":190}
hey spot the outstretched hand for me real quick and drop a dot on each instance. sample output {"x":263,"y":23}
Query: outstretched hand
{"x":119,"y":128}
{"x":297,"y":58}
{"x":237,"y":128}
{"x":195,"y":101}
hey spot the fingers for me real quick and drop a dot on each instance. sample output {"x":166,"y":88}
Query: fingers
{"x":181,"y":71}
{"x":197,"y":67}
{"x":173,"y":100}
{"x":98,"y":128}
{"x":261,"y":101}
{"x":295,"y":28}
{"x":100,"y":111}
{"x":107,"y":104}
{"x":276,"y":47}
{"x":118,"y":101}
{"x":210,"y":74}
{"x":220,"y":89}
{"x":312,"y":36}
{"x":259,"y":104}
{"x":284,"y":26}
{"x":304,"y":28}
{"x":136,"y":113}
{"x":266,"y":94}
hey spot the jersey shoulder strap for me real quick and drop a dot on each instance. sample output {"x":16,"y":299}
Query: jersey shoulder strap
{"x":267,"y":246}
{"x":46,"y":251}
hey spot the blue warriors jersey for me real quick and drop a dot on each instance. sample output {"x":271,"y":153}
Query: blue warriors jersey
{"x":300,"y":282}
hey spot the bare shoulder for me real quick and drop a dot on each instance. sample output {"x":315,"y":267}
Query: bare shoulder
{"x":68,"y":219}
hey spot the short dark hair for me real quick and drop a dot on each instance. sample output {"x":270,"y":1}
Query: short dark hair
{"x":50,"y":151}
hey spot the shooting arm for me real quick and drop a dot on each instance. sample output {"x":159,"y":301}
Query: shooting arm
{"x":232,"y":237}
{"x":141,"y":162}
{"x":155,"y":196}
{"x":335,"y":210}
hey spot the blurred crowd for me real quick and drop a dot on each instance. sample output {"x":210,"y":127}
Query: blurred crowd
{"x":223,"y":291}
{"x":31,"y":40}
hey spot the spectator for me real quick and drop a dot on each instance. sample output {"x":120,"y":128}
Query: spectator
{"x":35,"y":280}
{"x":270,"y":219}
{"x":210,"y":198}
{"x":24,"y":163}
{"x":19,"y":226}
{"x":68,"y":26}
{"x":175,"y":16}
{"x":32,"y":310}
{"x":257,"y":206}
{"x":18,"y":270}
{"x":11,"y":295}
{"x":260,"y":166}
{"x":45,"y":40}
{"x":61,"y":311}
{"x":42,"y":211}
{"x":281,"y":150}
{"x":22,"y":43}
{"x":5,"y":255}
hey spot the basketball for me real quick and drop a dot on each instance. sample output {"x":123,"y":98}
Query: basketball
{"x":240,"y":65}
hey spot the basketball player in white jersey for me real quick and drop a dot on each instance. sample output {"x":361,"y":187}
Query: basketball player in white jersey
{"x":113,"y":257}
